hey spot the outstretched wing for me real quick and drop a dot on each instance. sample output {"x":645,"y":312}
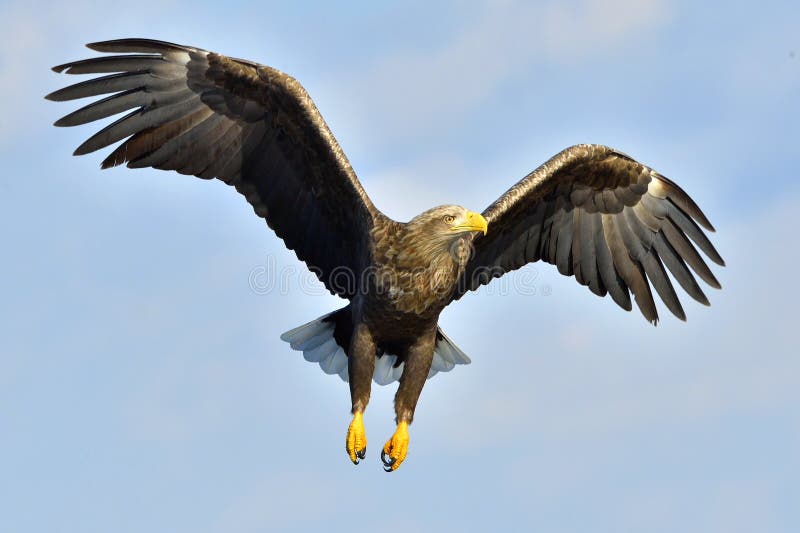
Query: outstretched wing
{"x":605,"y":218}
{"x":249,"y":125}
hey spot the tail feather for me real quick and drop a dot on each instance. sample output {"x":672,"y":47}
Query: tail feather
{"x":318,"y":342}
{"x":335,"y":363}
{"x":446,"y":355}
{"x":298,"y":336}
{"x":321,"y":352}
{"x":384,"y":365}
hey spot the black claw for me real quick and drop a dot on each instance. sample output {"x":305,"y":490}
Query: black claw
{"x":387,"y":463}
{"x":387,"y":469}
{"x":361,"y":454}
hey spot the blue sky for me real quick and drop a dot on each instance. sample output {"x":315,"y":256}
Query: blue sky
{"x":143,"y":386}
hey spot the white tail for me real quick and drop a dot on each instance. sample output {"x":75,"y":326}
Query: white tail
{"x":317,"y":342}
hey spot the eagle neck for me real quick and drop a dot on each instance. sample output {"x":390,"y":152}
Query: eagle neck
{"x":418,"y":273}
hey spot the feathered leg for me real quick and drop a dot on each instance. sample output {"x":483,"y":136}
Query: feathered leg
{"x":361,"y":364}
{"x":417,"y":365}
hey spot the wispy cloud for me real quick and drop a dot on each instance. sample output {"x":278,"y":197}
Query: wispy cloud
{"x":499,"y":41}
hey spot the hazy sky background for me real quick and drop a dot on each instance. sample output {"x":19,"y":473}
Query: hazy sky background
{"x":143,"y":387}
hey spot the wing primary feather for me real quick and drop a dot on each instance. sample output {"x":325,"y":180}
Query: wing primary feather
{"x":629,"y":270}
{"x":546,"y":225}
{"x":615,"y":284}
{"x":564,"y":245}
{"x":641,"y":234}
{"x":658,"y":277}
{"x":115,"y":83}
{"x":586,"y":237}
{"x":643,"y":295}
{"x":685,"y":202}
{"x":109,"y":64}
{"x":553,"y":230}
{"x":690,"y":228}
{"x":102,"y":85}
{"x":137,"y":46}
{"x":135,"y":122}
{"x":633,"y":235}
{"x":117,"y":103}
{"x":678,"y":268}
{"x":687,"y":252}
{"x":576,"y":247}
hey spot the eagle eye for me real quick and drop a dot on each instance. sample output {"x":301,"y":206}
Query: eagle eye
{"x":448,"y":219}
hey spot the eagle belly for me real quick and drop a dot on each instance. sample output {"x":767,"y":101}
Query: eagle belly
{"x":320,"y":343}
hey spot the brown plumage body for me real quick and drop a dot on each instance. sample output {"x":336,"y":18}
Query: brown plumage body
{"x":411,"y":279}
{"x":614,"y":224}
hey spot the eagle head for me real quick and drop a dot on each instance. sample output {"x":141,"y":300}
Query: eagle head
{"x":447,"y":222}
{"x":440,"y":230}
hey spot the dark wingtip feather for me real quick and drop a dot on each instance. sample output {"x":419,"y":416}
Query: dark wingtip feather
{"x":688,"y":225}
{"x":657,"y":275}
{"x":685,"y":202}
{"x":694,"y":211}
{"x":82,"y":149}
{"x":134,"y":45}
{"x":712,"y":281}
{"x":110,"y":162}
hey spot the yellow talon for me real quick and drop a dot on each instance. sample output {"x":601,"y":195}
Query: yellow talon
{"x":395,"y":450}
{"x":356,"y":443}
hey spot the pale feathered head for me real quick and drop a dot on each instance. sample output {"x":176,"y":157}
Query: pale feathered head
{"x":437,"y":229}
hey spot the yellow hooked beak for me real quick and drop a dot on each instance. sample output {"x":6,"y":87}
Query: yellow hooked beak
{"x":472,"y":222}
